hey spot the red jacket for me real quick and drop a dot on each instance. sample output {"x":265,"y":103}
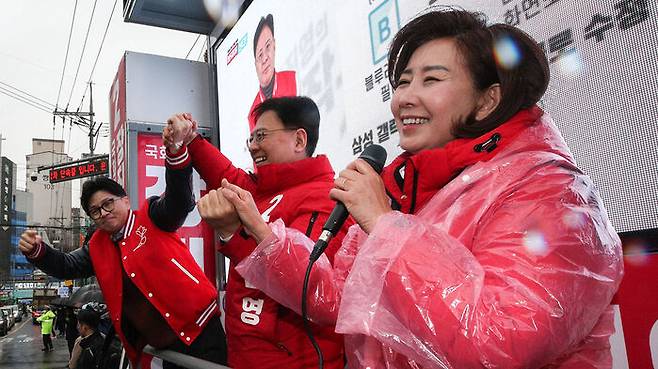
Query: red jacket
{"x":161,"y":267}
{"x":285,"y":84}
{"x":260,"y":332}
{"x":507,"y":261}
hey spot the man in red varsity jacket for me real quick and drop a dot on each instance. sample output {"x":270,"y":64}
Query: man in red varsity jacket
{"x":292,"y":187}
{"x":155,"y":292}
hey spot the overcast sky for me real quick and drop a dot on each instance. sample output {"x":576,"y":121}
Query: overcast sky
{"x":32,"y":53}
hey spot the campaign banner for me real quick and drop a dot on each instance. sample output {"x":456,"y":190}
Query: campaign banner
{"x":197,"y":235}
{"x":602,"y":95}
{"x":333,"y":52}
{"x":118,"y":133}
{"x":637,"y":311}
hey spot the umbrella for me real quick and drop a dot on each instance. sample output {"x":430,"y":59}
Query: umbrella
{"x":59,"y":301}
{"x":85,"y":294}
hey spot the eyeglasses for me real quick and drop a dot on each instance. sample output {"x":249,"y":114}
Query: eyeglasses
{"x":259,"y":135}
{"x":264,"y":51}
{"x":107,"y":205}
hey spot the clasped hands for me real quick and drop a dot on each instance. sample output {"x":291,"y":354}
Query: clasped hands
{"x":180,"y":130}
{"x":359,"y":187}
{"x":229,"y":207}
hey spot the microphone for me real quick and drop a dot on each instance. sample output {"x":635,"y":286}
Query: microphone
{"x":375,"y":155}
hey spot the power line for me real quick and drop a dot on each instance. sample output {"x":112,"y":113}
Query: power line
{"x":193,"y":45}
{"x":26,"y":93}
{"x":8,"y":93}
{"x":68,"y":45}
{"x":82,"y":54}
{"x":13,"y":95}
{"x":107,"y":27}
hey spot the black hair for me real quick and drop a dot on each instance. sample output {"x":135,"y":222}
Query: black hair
{"x":89,"y":317}
{"x":266,"y":21}
{"x":294,"y":112}
{"x":94,"y":185}
{"x":522,"y":85}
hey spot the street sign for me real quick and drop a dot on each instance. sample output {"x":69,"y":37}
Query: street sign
{"x":80,"y":170}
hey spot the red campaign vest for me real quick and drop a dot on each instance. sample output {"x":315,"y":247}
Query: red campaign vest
{"x":164,"y":271}
{"x":285,"y":84}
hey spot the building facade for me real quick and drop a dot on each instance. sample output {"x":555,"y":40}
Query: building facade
{"x":51,"y":202}
{"x":20,"y":268}
{"x":7,"y":188}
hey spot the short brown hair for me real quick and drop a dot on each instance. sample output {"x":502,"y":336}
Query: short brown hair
{"x":522,"y":85}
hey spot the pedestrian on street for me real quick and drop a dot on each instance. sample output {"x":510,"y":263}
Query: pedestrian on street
{"x":91,"y":342}
{"x":71,"y":330}
{"x":60,"y":324}
{"x":46,"y":319}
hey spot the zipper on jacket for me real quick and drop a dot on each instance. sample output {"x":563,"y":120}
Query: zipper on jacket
{"x":488,"y":145}
{"x":414,"y":190}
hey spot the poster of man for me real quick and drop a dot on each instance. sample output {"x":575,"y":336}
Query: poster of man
{"x":271,"y":82}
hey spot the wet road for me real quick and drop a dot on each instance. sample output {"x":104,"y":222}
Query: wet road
{"x":21,"y":349}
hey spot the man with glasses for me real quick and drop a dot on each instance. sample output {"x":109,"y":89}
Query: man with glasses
{"x":271,"y":82}
{"x":155,"y":292}
{"x":291,"y":185}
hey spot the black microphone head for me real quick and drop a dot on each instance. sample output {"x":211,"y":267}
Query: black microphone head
{"x":375,"y":155}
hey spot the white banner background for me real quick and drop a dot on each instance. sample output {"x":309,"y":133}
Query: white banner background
{"x":603,"y":93}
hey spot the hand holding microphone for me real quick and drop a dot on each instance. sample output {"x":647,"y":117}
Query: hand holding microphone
{"x":359,"y":192}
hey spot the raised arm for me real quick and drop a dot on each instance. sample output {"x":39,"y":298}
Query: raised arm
{"x":75,"y":264}
{"x":211,"y":164}
{"x":169,"y":210}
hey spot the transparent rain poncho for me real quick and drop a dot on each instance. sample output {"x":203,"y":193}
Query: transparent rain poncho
{"x":512,"y":264}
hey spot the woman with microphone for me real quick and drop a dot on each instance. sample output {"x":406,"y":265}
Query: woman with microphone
{"x":482,"y":245}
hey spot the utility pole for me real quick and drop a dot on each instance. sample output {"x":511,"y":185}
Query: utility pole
{"x":92,"y":134}
{"x":83,"y":121}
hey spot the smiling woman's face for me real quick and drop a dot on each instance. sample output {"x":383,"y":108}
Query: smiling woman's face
{"x":435,"y":91}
